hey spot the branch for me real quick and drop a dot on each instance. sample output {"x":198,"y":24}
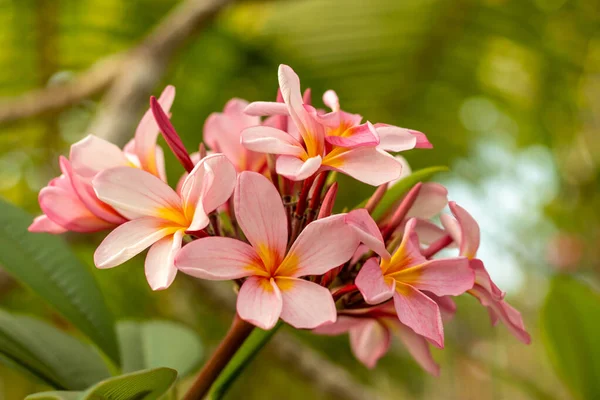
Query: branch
{"x":129,"y":76}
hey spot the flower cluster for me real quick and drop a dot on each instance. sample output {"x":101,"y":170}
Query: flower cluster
{"x":257,"y":209}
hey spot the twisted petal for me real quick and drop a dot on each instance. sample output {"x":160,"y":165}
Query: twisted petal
{"x":259,"y":302}
{"x":468,"y":233}
{"x":295,"y":169}
{"x":265,"y":139}
{"x":366,"y":164}
{"x":261,"y":216}
{"x":372,"y":284}
{"x":420,"y":313}
{"x":306,"y":305}
{"x":483,"y":279}
{"x":160,"y":261}
{"x":218,"y":258}
{"x":130,"y":239}
{"x":367,"y":230}
{"x":418,"y":347}
{"x":393,"y":138}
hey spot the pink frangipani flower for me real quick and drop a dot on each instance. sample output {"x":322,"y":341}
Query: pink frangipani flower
{"x":69,"y":202}
{"x":371,"y":331}
{"x":273,"y":287}
{"x":222,"y":133}
{"x":159,"y":216}
{"x":334,"y":141}
{"x":465,"y":231}
{"x":406,"y":276}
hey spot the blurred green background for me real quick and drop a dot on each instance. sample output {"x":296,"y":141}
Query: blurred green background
{"x":506,"y":90}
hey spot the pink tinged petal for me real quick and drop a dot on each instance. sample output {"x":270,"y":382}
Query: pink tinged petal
{"x":508,"y":315}
{"x":261,"y":216}
{"x":370,"y":341}
{"x":330,"y":99}
{"x":420,"y":313}
{"x":307,"y":96}
{"x":134,"y":193}
{"x":356,"y":136}
{"x":289,"y":83}
{"x":443,"y":277}
{"x":469,"y":231}
{"x":92,"y":155}
{"x":130,"y":239}
{"x":64,"y":208}
{"x":428,"y":232}
{"x":306,"y":305}
{"x":366,"y":164}
{"x":147,"y":132}
{"x":221,"y":187}
{"x":324,"y":244}
{"x":418,"y":347}
{"x":367,"y":230}
{"x":264,"y":139}
{"x":342,"y":325}
{"x":431,"y":200}
{"x":446,"y":304}
{"x":84,"y":190}
{"x":218,"y":258}
{"x":422,"y":141}
{"x":408,"y":253}
{"x":295,"y":169}
{"x":170,"y":135}
{"x":372,"y":284}
{"x":266,"y":108}
{"x":259,"y":302}
{"x":483,"y":279}
{"x":42,"y":223}
{"x":393,"y":138}
{"x":160,"y":261}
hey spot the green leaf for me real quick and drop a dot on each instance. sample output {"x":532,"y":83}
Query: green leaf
{"x":49,"y":354}
{"x":396,"y":192}
{"x":244,"y":356}
{"x":570,"y":330}
{"x":152,"y":344}
{"x":45,"y":264}
{"x":142,"y":385}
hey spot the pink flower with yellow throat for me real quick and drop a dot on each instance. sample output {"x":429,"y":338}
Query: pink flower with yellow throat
{"x":334,"y":141}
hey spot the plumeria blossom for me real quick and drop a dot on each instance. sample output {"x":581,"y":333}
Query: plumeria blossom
{"x":273,"y":287}
{"x":333,"y":141}
{"x":69,"y":202}
{"x":465,"y":231}
{"x":159,"y":216}
{"x":371,"y":331}
{"x":406,"y":277}
{"x":222,"y":133}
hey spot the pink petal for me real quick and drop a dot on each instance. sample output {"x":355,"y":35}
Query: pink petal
{"x":356,"y":136}
{"x":261,"y":216}
{"x":483,"y":279}
{"x":445,"y":303}
{"x":430,"y":201}
{"x":324,"y":244}
{"x":408,"y":253}
{"x":330,"y":99}
{"x":306,"y":305}
{"x":92,"y":155}
{"x":428,"y":232}
{"x":64,"y":208}
{"x":420,"y":313}
{"x":264,"y":139}
{"x":372,"y":284}
{"x":259,"y":302}
{"x":295,"y":169}
{"x":469,"y":231}
{"x":218,"y":258}
{"x":134,"y":192}
{"x":264,"y":108}
{"x":366,"y":164}
{"x":42,"y":223}
{"x":147,"y":132}
{"x":342,"y":325}
{"x":160,"y":261}
{"x":443,"y":277}
{"x":418,"y":347}
{"x":130,"y":239}
{"x":393,"y":138}
{"x":221,"y":187}
{"x":422,"y":141}
{"x":367,"y":230}
{"x":370,"y":341}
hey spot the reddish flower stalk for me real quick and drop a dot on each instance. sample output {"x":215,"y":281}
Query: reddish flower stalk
{"x":328,"y":201}
{"x":233,"y":340}
{"x":315,"y":200}
{"x":401,"y":211}
{"x":376,"y":197}
{"x":343,"y":291}
{"x":436,"y":246}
